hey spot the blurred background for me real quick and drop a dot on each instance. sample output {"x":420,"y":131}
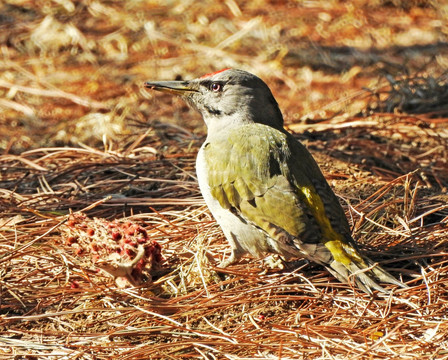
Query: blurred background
{"x":72,"y":71}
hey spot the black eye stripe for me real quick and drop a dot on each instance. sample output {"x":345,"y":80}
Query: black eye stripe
{"x":215,"y":86}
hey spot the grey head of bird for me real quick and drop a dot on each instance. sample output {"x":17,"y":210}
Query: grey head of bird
{"x":227,"y":98}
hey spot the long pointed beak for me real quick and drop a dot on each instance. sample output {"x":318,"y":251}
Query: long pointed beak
{"x":172,"y":87}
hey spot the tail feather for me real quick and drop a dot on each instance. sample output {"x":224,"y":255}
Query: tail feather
{"x":341,"y":258}
{"x":345,"y":263}
{"x":364,"y":275}
{"x":383,"y":275}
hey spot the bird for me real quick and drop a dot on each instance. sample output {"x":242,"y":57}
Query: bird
{"x":263,"y":186}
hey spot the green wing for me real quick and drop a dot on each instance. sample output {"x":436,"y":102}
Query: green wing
{"x":270,"y":179}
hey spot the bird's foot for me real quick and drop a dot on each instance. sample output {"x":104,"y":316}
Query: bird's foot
{"x":275,"y":261}
{"x":233,"y":258}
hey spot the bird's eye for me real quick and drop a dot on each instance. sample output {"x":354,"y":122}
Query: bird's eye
{"x":215,"y":87}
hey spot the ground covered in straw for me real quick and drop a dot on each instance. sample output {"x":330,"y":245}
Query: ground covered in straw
{"x":93,"y":167}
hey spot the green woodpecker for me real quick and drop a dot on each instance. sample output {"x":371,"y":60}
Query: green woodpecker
{"x":262,"y":186}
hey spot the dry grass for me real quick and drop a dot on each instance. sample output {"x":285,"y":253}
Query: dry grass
{"x":80,"y":135}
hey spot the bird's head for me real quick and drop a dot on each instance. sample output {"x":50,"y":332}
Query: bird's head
{"x":229,"y":97}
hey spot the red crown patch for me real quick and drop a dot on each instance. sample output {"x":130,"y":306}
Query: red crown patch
{"x":213,"y":73}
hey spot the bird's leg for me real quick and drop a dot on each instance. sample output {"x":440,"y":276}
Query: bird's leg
{"x":237,"y":251}
{"x":233,"y":258}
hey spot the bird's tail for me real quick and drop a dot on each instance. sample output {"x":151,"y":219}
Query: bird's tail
{"x":344,"y":262}
{"x":351,"y":267}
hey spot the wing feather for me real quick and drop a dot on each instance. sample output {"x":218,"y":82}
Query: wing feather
{"x":253,"y":177}
{"x":270,"y":180}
